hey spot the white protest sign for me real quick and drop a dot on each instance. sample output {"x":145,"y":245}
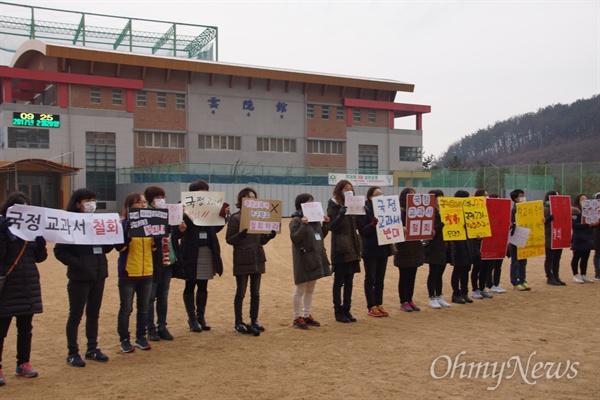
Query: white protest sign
{"x":590,"y":211}
{"x":389,"y":226}
{"x":203,"y":208}
{"x":59,"y":226}
{"x":175,"y":213}
{"x":355,"y":204}
{"x":519,"y":238}
{"x":313,"y":211}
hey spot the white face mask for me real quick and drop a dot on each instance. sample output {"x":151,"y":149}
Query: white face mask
{"x":160,"y":203}
{"x":348,"y":193}
{"x":522,"y":199}
{"x":89,"y":207}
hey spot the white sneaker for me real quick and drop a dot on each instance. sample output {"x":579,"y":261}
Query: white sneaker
{"x":500,"y":290}
{"x":486,"y":295}
{"x":587,"y":279}
{"x":577,"y":279}
{"x":433,"y":303}
{"x":443,"y":302}
{"x":476,"y":294}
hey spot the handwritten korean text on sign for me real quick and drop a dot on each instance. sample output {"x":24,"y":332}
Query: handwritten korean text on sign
{"x":203,"y":208}
{"x":389,"y":227}
{"x":260,"y":216}
{"x":420,"y":213}
{"x":531,"y":215}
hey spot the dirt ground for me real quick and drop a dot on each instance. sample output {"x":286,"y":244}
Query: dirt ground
{"x":548,"y":341}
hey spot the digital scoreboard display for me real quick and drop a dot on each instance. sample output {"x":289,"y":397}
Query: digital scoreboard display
{"x":36,"y":120}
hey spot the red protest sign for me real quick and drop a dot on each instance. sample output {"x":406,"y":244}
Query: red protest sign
{"x":560,"y":208}
{"x":494,"y":247}
{"x":420,"y":212}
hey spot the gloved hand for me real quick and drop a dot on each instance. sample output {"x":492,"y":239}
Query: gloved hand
{"x":272,"y":235}
{"x":5,"y":225}
{"x":40,"y":243}
{"x":550,"y":218}
{"x":243,"y":234}
{"x":343,"y":210}
{"x":374,"y":222}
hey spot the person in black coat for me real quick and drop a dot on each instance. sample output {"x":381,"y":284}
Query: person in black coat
{"x":436,"y":255}
{"x":375,"y":257}
{"x":87,"y":270}
{"x":21,"y":296}
{"x":582,"y":243}
{"x":200,"y":258}
{"x":461,"y":261}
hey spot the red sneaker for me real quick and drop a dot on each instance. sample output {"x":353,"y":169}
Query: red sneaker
{"x":26,"y":371}
{"x":374,"y":312}
{"x":311,"y":321}
{"x":382,"y":311}
{"x":299,"y":323}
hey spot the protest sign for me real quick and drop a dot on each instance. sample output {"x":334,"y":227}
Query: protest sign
{"x":531,"y":215}
{"x":590,"y":211}
{"x":389,"y":225}
{"x":494,"y":247}
{"x":260,"y":216}
{"x":148,"y":222}
{"x":355,"y":204}
{"x":203,"y":208}
{"x":560,"y":209}
{"x":175,"y":213}
{"x":520,"y":236}
{"x":420,"y":213}
{"x":313,"y":211}
{"x":477,"y":220}
{"x":58,"y":226}
{"x":453,"y":218}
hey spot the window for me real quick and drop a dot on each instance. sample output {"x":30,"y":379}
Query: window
{"x":161,"y":100}
{"x":339,"y":113}
{"x":276,"y":145}
{"x":26,"y":138}
{"x":166,"y":140}
{"x":310,"y":111}
{"x":372,"y":116}
{"x":141,"y":98}
{"x":410,"y":153}
{"x":95,"y":95}
{"x":101,"y":163}
{"x":324,"y":147}
{"x":356,"y":115}
{"x":368,"y":159}
{"x":324,"y":112}
{"x":180,"y":101}
{"x":215,"y":142}
{"x":117,"y":97}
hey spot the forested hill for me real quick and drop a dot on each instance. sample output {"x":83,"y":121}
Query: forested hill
{"x":555,"y":134}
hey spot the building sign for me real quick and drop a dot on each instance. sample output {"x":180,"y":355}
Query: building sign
{"x":363,"y":180}
{"x":36,"y":120}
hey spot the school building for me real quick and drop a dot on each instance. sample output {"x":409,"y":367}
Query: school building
{"x":80,"y":113}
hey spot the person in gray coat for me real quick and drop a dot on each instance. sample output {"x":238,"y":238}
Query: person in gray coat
{"x":309,"y":260}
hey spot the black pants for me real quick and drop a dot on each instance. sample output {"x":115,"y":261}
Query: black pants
{"x":240,"y":293}
{"x":406,"y":284}
{"x":494,"y":271}
{"x":24,"y":328}
{"x":580,"y":259}
{"x":190,"y":285}
{"x":460,"y":280}
{"x":345,"y":280}
{"x":479,"y":274}
{"x":552,"y":262}
{"x":88,"y":295}
{"x":434,"y":279}
{"x":374,"y":279}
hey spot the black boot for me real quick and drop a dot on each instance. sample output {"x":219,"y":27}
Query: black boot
{"x":200,"y":307}
{"x":553,"y":282}
{"x":340,"y":316}
{"x":188,"y":301}
{"x":348,"y":315}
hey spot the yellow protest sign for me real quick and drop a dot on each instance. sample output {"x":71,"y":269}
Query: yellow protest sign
{"x":531,"y":215}
{"x":451,"y":211}
{"x":476,"y":217}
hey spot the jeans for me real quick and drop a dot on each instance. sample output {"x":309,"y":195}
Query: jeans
{"x":24,"y":328}
{"x":88,"y":295}
{"x":346,"y":281}
{"x":240,"y":293}
{"x":518,"y":268}
{"x":127,"y":288}
{"x":406,"y":284}
{"x":302,"y":299}
{"x":434,"y":279}
{"x":160,"y":293}
{"x":374,"y":278}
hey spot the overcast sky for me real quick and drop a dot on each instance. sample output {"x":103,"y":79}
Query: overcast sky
{"x":473,"y":62}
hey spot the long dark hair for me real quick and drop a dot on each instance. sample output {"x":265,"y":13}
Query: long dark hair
{"x":14,"y":198}
{"x":244,"y":193}
{"x":301,"y":199}
{"x":78,"y":196}
{"x":338,"y":191}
